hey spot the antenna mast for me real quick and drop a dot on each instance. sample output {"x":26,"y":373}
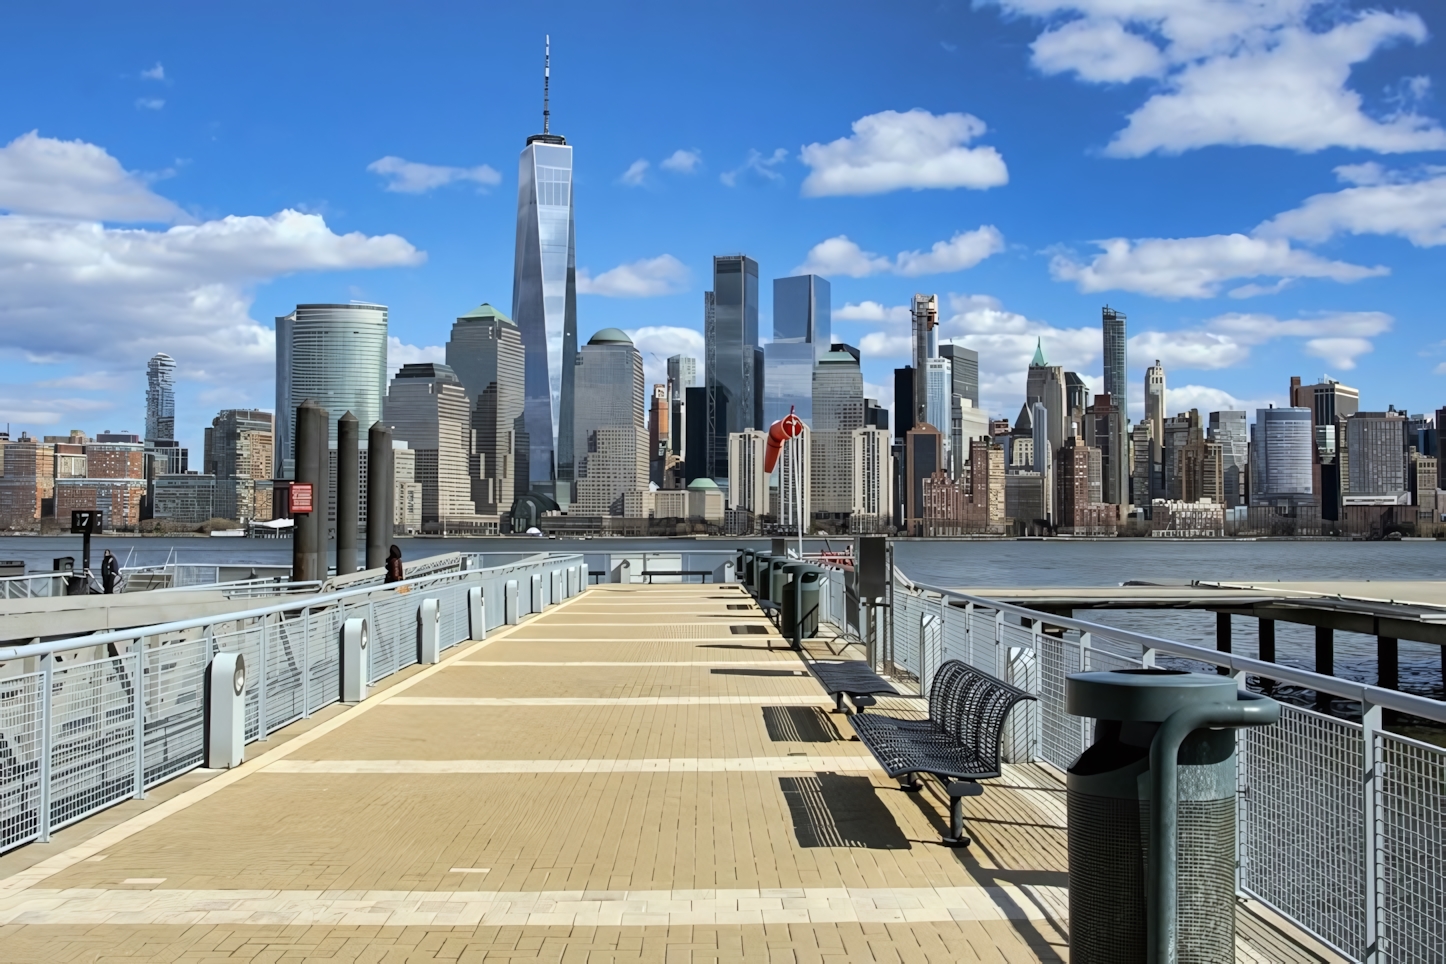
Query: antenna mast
{"x":546,"y":76}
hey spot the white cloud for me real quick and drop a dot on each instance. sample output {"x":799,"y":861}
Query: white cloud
{"x":149,"y":103}
{"x":78,"y":292}
{"x":647,"y":278}
{"x":1340,"y":352}
{"x":757,"y":165}
{"x":154,"y":73}
{"x":1412,"y":206}
{"x":681,"y":161}
{"x":657,"y":343}
{"x":841,"y":256}
{"x":890,"y":151}
{"x":411,"y":177}
{"x":400,"y":353}
{"x":72,"y":179}
{"x":1206,"y":399}
{"x":1189,"y":349}
{"x":1199,"y":267}
{"x":872,"y":311}
{"x":1272,"y":73}
{"x":635,"y":173}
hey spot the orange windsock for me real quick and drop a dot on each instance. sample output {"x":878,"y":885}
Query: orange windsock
{"x":790,"y":426}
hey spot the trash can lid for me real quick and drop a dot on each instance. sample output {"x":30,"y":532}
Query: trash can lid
{"x":1143,"y":695}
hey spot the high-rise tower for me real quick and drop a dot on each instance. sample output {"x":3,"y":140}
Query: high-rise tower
{"x":544,"y":299}
{"x":733,"y":368}
{"x":925,"y":314}
{"x":1116,"y":354}
{"x":160,"y":397}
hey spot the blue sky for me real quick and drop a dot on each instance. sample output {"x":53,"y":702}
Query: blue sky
{"x":1260,"y":186}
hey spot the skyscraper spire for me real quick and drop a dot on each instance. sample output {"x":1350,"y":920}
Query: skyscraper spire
{"x":546,"y":76}
{"x":1039,"y":361}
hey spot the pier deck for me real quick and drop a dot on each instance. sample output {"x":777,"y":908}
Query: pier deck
{"x":632,"y":775}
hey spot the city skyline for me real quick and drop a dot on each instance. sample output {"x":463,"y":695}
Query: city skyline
{"x":448,"y":228}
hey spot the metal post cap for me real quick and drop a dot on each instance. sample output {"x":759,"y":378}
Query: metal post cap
{"x":1143,"y":695}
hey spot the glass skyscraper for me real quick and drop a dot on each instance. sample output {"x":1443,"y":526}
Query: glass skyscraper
{"x":336,"y":354}
{"x":1116,"y":356}
{"x":160,"y":398}
{"x":733,"y":369}
{"x":544,"y":302}
{"x":964,"y":371}
{"x":802,"y":322}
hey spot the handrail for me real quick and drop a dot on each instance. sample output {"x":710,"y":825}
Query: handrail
{"x":122,"y":635}
{"x":1363,"y":693}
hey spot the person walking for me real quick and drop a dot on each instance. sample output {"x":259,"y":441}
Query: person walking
{"x":394,"y":565}
{"x":109,"y":572}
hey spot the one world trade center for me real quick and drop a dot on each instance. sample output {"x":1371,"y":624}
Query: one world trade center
{"x":544,"y":304}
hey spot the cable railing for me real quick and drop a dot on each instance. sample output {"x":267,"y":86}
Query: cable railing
{"x":91,"y":721}
{"x":1342,"y":827}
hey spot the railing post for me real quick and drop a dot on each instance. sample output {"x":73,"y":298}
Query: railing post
{"x":306,"y":663}
{"x":1085,"y":736}
{"x":1371,"y":725}
{"x":1036,"y":718}
{"x":139,"y":690}
{"x":261,"y":730}
{"x":1147,"y":658}
{"x":969,"y":630}
{"x":1242,"y":794}
{"x":47,"y":683}
{"x":1001,"y":655}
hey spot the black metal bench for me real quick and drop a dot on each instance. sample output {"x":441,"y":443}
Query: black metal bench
{"x":958,"y":743}
{"x":851,"y":678}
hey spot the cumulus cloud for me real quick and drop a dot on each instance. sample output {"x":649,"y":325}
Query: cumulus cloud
{"x":154,"y":73}
{"x":891,"y":151}
{"x":1199,"y":267}
{"x":682,"y":161}
{"x":635,"y":173}
{"x":75,"y":291}
{"x":657,"y":343}
{"x":149,"y":103}
{"x":841,"y":256}
{"x":1340,"y":352}
{"x":1189,"y":349}
{"x":1411,"y":205}
{"x":411,"y":177}
{"x":1269,"y":73}
{"x":72,"y":179}
{"x":647,"y":278}
{"x":1226,"y":340}
{"x":1206,"y":399}
{"x":871,"y":311}
{"x":400,"y":353}
{"x":756,"y":165}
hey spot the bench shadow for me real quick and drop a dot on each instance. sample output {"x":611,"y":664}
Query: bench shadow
{"x":755,"y":649}
{"x":831,"y":810}
{"x":760,"y":672}
{"x":799,"y":724}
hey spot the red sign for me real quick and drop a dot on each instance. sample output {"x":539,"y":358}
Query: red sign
{"x":300,"y":501}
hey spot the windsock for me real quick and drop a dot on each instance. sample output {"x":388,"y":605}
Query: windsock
{"x":790,"y":426}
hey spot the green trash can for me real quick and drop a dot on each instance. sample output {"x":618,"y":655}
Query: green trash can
{"x":759,"y":583}
{"x":798,"y":617}
{"x":745,"y":567}
{"x":775,"y":578}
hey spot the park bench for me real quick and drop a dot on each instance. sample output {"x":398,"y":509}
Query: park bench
{"x":851,"y":678}
{"x":958,"y":744}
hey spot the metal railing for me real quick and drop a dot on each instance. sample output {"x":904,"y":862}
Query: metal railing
{"x":94,"y":720}
{"x":34,"y":585}
{"x":1341,"y":824}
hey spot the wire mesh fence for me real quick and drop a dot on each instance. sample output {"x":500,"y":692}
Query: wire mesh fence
{"x":1340,"y":825}
{"x":102,"y":718}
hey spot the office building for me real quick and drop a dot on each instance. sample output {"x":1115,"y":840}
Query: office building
{"x":1078,"y":511}
{"x":873,"y":481}
{"x":426,"y":408}
{"x":986,"y":484}
{"x":544,"y":301}
{"x":240,"y":444}
{"x":28,"y":482}
{"x":406,"y":491}
{"x":1231,"y":431}
{"x":938,"y":386}
{"x":610,"y":434}
{"x":875,"y":415}
{"x":184,"y":500}
{"x":1106,"y":431}
{"x":924,"y":455}
{"x":658,"y":433}
{"x":1116,"y":354}
{"x":1328,"y":399}
{"x":485,"y":353}
{"x":966,"y":425}
{"x":1142,"y":466}
{"x":903,"y":402}
{"x":1045,"y":384}
{"x":747,"y":482}
{"x":924,"y":316}
{"x":1076,"y":400}
{"x":1202,"y":470}
{"x":160,"y":397}
{"x":1025,"y":502}
{"x":963,"y":371}
{"x":1377,"y":442}
{"x":1280,"y":457}
{"x":838,"y":407}
{"x":1155,"y":415}
{"x":794,"y":505}
{"x":802,"y":332}
{"x":336,"y":355}
{"x":682,"y":375}
{"x":1178,"y":430}
{"x":733,"y":367}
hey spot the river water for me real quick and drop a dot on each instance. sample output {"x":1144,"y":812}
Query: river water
{"x":967,"y":563}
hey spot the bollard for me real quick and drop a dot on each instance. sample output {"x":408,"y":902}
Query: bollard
{"x":510,"y":614}
{"x":476,"y":614}
{"x":226,"y":711}
{"x":348,"y":492}
{"x":559,"y":586}
{"x":429,"y":631}
{"x":579,"y":578}
{"x":379,"y":520}
{"x":534,"y":599}
{"x":726,"y":572}
{"x":354,"y":660}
